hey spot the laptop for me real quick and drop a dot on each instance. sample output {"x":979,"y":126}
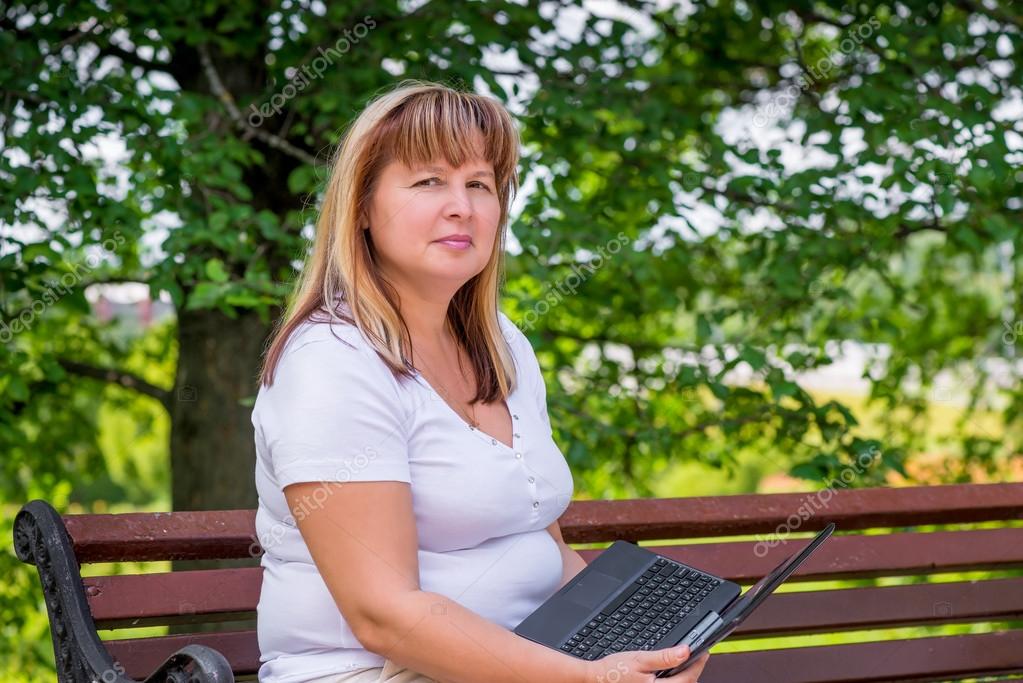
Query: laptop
{"x":630,"y":598}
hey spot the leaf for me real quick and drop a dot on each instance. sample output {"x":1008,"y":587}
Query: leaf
{"x":807,"y":471}
{"x":301,"y":180}
{"x":755,"y":357}
{"x":719,"y":390}
{"x":17,"y":389}
{"x":703,"y":329}
{"x":215,"y":270}
{"x":205,"y":295}
{"x":783,"y":387}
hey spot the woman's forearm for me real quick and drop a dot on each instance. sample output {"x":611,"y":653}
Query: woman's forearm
{"x":572,"y":563}
{"x":439,"y":638}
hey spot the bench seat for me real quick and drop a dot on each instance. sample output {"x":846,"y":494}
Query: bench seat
{"x":881,"y":532}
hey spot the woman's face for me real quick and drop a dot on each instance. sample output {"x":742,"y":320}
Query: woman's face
{"x":414,"y":209}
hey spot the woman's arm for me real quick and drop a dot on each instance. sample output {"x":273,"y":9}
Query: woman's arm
{"x":571,"y":561}
{"x":362,"y":537}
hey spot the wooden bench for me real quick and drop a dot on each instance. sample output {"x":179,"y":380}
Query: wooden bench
{"x":78,"y":608}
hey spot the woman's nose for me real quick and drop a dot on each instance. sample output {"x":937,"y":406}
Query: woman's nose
{"x":458,"y":203}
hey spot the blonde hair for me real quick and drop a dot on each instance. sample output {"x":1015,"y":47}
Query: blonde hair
{"x":416,"y":122}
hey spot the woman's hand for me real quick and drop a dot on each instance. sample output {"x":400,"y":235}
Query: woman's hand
{"x":639,"y":666}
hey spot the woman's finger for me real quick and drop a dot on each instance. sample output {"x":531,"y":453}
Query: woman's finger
{"x":657,"y":660}
{"x":692,"y":672}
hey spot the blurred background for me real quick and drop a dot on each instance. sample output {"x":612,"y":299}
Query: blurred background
{"x":754,"y":241}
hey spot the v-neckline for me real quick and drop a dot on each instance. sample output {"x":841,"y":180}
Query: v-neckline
{"x":482,"y":434}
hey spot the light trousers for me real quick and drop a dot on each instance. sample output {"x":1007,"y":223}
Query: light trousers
{"x":388,"y":673}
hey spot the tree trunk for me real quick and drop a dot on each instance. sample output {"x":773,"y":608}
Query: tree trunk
{"x":213,"y":453}
{"x":212,"y":447}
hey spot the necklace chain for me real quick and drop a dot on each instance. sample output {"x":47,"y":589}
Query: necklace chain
{"x":473,"y":422}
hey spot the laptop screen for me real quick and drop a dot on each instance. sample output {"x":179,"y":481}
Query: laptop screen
{"x":759,"y":591}
{"x":744,"y":605}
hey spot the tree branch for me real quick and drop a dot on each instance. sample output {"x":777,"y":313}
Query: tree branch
{"x":807,"y":15}
{"x":119,"y":377}
{"x":218,"y":89}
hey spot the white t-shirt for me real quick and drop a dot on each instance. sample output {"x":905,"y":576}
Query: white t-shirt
{"x":336,"y":413}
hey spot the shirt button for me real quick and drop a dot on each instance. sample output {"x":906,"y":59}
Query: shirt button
{"x":532,"y":479}
{"x":518,"y":455}
{"x":516,"y":436}
{"x":536,"y":504}
{"x":493,"y":442}
{"x":515,"y":416}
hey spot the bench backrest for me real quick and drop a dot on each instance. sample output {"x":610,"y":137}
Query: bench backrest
{"x":891,"y":548}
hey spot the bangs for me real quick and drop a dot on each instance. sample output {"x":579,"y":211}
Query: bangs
{"x":441,"y":124}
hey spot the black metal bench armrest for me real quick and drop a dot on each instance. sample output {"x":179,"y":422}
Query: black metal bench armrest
{"x":194,"y":664}
{"x":41,"y":539}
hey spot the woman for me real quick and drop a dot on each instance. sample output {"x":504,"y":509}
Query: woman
{"x":409,"y":485}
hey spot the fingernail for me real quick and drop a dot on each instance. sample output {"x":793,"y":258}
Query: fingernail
{"x":682,"y":651}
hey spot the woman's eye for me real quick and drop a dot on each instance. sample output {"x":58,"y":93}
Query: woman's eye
{"x":476,"y":183}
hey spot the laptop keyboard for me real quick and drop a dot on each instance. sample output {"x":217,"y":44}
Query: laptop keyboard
{"x":644,"y":612}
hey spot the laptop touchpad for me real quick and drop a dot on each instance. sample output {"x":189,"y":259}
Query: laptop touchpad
{"x":592,"y":589}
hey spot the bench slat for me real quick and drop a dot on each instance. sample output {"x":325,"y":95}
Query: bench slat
{"x":857,"y":556}
{"x":185,"y":596}
{"x":918,"y":659}
{"x":147,"y":536}
{"x":230,"y":534}
{"x":593,"y":521}
{"x":141,"y":656}
{"x":804,"y":612}
{"x":198,"y":596}
{"x":850,"y":609}
{"x":227,"y":594}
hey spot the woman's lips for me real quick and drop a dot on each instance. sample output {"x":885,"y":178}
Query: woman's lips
{"x":456,"y":244}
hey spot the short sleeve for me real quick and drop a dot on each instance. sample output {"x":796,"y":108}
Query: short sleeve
{"x":530,"y":367}
{"x":334,"y":413}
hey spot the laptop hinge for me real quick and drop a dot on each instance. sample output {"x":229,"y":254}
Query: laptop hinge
{"x":704,"y":627}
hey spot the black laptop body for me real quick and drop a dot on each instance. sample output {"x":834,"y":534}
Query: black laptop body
{"x":630,"y":598}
